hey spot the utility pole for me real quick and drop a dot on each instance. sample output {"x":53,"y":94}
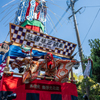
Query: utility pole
{"x":77,"y":33}
{"x":78,"y":39}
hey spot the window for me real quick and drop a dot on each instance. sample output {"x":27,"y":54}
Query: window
{"x":32,"y":96}
{"x":56,"y":97}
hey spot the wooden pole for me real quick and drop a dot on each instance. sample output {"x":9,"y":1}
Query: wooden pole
{"x":7,"y":64}
{"x":72,"y":78}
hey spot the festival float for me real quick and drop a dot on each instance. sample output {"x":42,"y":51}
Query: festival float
{"x":32,"y":51}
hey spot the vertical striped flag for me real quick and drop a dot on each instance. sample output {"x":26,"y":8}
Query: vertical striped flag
{"x":3,"y":64}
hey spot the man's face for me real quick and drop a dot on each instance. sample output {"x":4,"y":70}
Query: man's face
{"x":48,"y":57}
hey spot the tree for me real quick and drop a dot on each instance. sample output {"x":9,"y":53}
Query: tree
{"x":95,"y":56}
{"x":92,"y":84}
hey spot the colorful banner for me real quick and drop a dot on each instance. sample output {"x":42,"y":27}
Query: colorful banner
{"x":41,"y":41}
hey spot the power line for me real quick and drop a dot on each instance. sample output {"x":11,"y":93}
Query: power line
{"x":56,"y":5}
{"x":52,"y":22}
{"x":54,"y":15}
{"x":91,"y":26}
{"x":60,"y":19}
{"x":92,"y":6}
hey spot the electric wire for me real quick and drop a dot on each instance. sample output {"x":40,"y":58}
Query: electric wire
{"x":54,"y":15}
{"x":52,"y":22}
{"x":60,"y":19}
{"x":62,"y":25}
{"x":92,"y":6}
{"x":56,"y":5}
{"x":9,"y":22}
{"x":9,"y":31}
{"x":90,"y":26}
{"x":8,"y":19}
{"x":7,"y":35}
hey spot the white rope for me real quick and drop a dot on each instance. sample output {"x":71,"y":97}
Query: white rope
{"x":8,"y":3}
{"x":9,"y":7}
{"x":57,"y":5}
{"x":54,"y":15}
{"x":52,"y":22}
{"x":7,"y":14}
{"x":9,"y":22}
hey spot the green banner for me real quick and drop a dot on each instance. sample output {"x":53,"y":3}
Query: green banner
{"x":34,"y":23}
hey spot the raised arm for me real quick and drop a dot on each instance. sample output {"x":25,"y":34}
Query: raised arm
{"x":64,"y":61}
{"x":36,"y":66}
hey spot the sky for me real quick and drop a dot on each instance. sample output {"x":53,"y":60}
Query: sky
{"x":87,"y":21}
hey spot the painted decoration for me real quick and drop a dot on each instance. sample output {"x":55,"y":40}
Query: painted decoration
{"x":4,"y":48}
{"x":3,"y":64}
{"x":40,"y":41}
{"x":30,"y":17}
{"x":21,"y":13}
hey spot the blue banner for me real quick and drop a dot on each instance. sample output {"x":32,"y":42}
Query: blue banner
{"x":15,"y":51}
{"x":3,"y":57}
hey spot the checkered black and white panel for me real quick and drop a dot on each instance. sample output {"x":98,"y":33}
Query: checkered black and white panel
{"x":41,"y":41}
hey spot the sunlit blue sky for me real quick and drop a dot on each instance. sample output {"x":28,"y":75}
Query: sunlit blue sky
{"x":65,"y":29}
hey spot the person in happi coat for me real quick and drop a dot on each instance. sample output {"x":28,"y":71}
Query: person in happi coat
{"x":56,"y":68}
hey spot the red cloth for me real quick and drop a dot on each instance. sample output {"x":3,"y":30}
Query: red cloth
{"x":28,"y":10}
{"x":14,"y":84}
{"x":36,"y":4}
{"x":34,"y":28}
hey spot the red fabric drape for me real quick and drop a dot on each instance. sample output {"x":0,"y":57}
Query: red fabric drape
{"x":14,"y":84}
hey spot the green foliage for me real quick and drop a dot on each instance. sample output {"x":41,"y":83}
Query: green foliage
{"x":95,"y":56}
{"x":94,"y":89}
{"x":92,"y":84}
